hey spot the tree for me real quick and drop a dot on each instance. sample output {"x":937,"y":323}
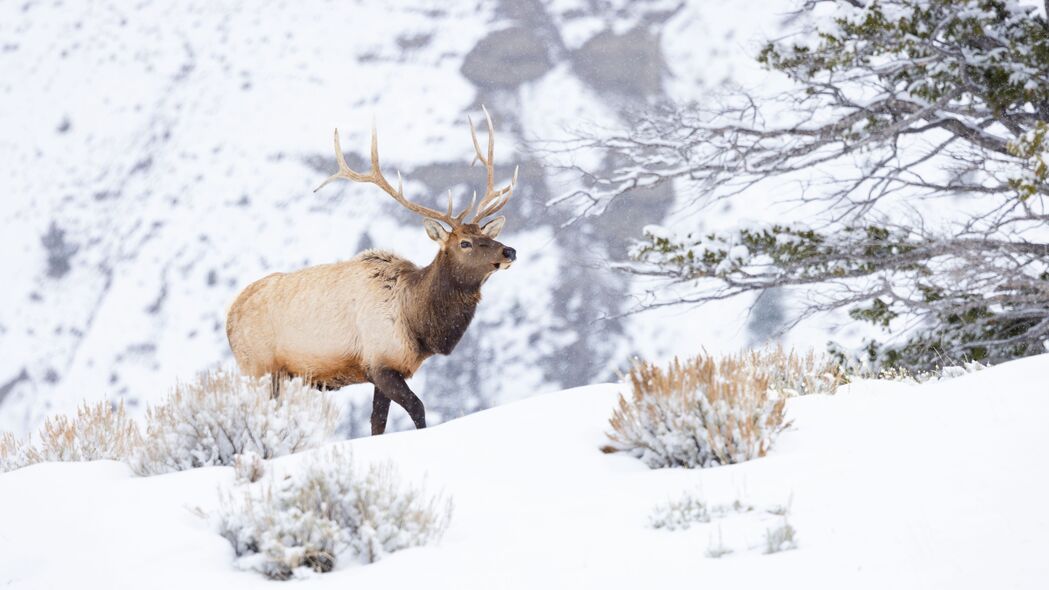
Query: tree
{"x":893,"y":106}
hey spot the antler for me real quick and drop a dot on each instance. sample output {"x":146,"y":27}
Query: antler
{"x":493,"y":199}
{"x":491,"y":202}
{"x":376,"y":177}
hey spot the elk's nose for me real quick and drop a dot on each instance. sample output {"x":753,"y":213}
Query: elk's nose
{"x":510,"y":253}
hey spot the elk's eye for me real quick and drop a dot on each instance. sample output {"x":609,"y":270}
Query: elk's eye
{"x":464,"y":245}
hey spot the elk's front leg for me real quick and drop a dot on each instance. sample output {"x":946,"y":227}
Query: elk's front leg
{"x":380,"y":411}
{"x":393,"y":387}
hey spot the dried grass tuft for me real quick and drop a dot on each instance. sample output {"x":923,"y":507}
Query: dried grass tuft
{"x":782,"y":537}
{"x":224,"y":414}
{"x":248,"y":468}
{"x":325,"y":511}
{"x":792,"y":373}
{"x":701,"y":412}
{"x":12,"y":452}
{"x":98,"y":432}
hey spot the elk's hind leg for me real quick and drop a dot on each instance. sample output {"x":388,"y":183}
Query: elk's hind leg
{"x":380,"y":411}
{"x":392,"y":385}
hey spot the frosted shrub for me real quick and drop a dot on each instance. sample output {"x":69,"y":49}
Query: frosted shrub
{"x":783,"y":537}
{"x":950,"y":370}
{"x":307,"y":520}
{"x":703,"y":412}
{"x":223,"y":414}
{"x":794,"y":373}
{"x":12,"y":452}
{"x":958,"y":370}
{"x":99,"y":431}
{"x":248,"y":468}
{"x":680,"y":514}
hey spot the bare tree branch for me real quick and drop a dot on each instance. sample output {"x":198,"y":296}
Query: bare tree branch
{"x":896,"y":103}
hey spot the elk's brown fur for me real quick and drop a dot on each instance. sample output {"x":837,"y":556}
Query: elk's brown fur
{"x":376,"y":317}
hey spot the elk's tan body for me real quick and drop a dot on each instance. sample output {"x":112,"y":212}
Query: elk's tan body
{"x":293,"y":323}
{"x":377,"y":316}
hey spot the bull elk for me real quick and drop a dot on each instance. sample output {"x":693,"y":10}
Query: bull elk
{"x":376,"y":317}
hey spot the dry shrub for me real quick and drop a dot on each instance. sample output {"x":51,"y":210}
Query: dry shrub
{"x":99,"y":431}
{"x":689,"y":509}
{"x":793,"y":373}
{"x":702,"y":412}
{"x":12,"y":452}
{"x":308,"y":519}
{"x":949,"y":370}
{"x":248,"y":468}
{"x":224,"y":414}
{"x":679,"y":514}
{"x":783,"y":537}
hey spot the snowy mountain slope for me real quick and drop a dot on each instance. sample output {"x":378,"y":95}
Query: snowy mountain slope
{"x":157,"y":158}
{"x":938,"y":485}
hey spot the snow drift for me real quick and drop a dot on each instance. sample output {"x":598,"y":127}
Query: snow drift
{"x":887,"y":484}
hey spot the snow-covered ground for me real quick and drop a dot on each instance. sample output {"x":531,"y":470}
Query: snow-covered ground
{"x":889,"y":485}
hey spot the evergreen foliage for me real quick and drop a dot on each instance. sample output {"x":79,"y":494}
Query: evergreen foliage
{"x":933,"y":105}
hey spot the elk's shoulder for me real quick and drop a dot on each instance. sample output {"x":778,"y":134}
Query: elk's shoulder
{"x":383,"y":260}
{"x":383,"y":265}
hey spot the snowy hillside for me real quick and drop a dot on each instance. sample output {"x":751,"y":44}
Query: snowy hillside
{"x":888,"y":485}
{"x":157,"y":158}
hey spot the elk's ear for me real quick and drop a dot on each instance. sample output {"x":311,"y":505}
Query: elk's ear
{"x":435,"y":230}
{"x":493,"y":227}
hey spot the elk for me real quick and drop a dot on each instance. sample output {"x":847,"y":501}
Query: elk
{"x":376,"y":317}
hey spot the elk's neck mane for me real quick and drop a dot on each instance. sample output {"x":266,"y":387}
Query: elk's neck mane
{"x":440,"y":305}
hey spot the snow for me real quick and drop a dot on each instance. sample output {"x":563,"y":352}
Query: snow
{"x":190,"y":141}
{"x":938,"y":485}
{"x":658,"y":232}
{"x":168,"y":157}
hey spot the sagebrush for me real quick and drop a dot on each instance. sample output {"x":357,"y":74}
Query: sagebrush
{"x":224,"y":414}
{"x":858,"y":369}
{"x":701,"y":412}
{"x":679,"y":514}
{"x":688,"y":510}
{"x":793,"y":373}
{"x":12,"y":452}
{"x":248,"y":468}
{"x":308,"y":519}
{"x":98,"y":431}
{"x":782,"y":537}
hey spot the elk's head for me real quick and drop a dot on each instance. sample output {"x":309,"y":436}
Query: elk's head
{"x":469,"y":245}
{"x":473,"y":247}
